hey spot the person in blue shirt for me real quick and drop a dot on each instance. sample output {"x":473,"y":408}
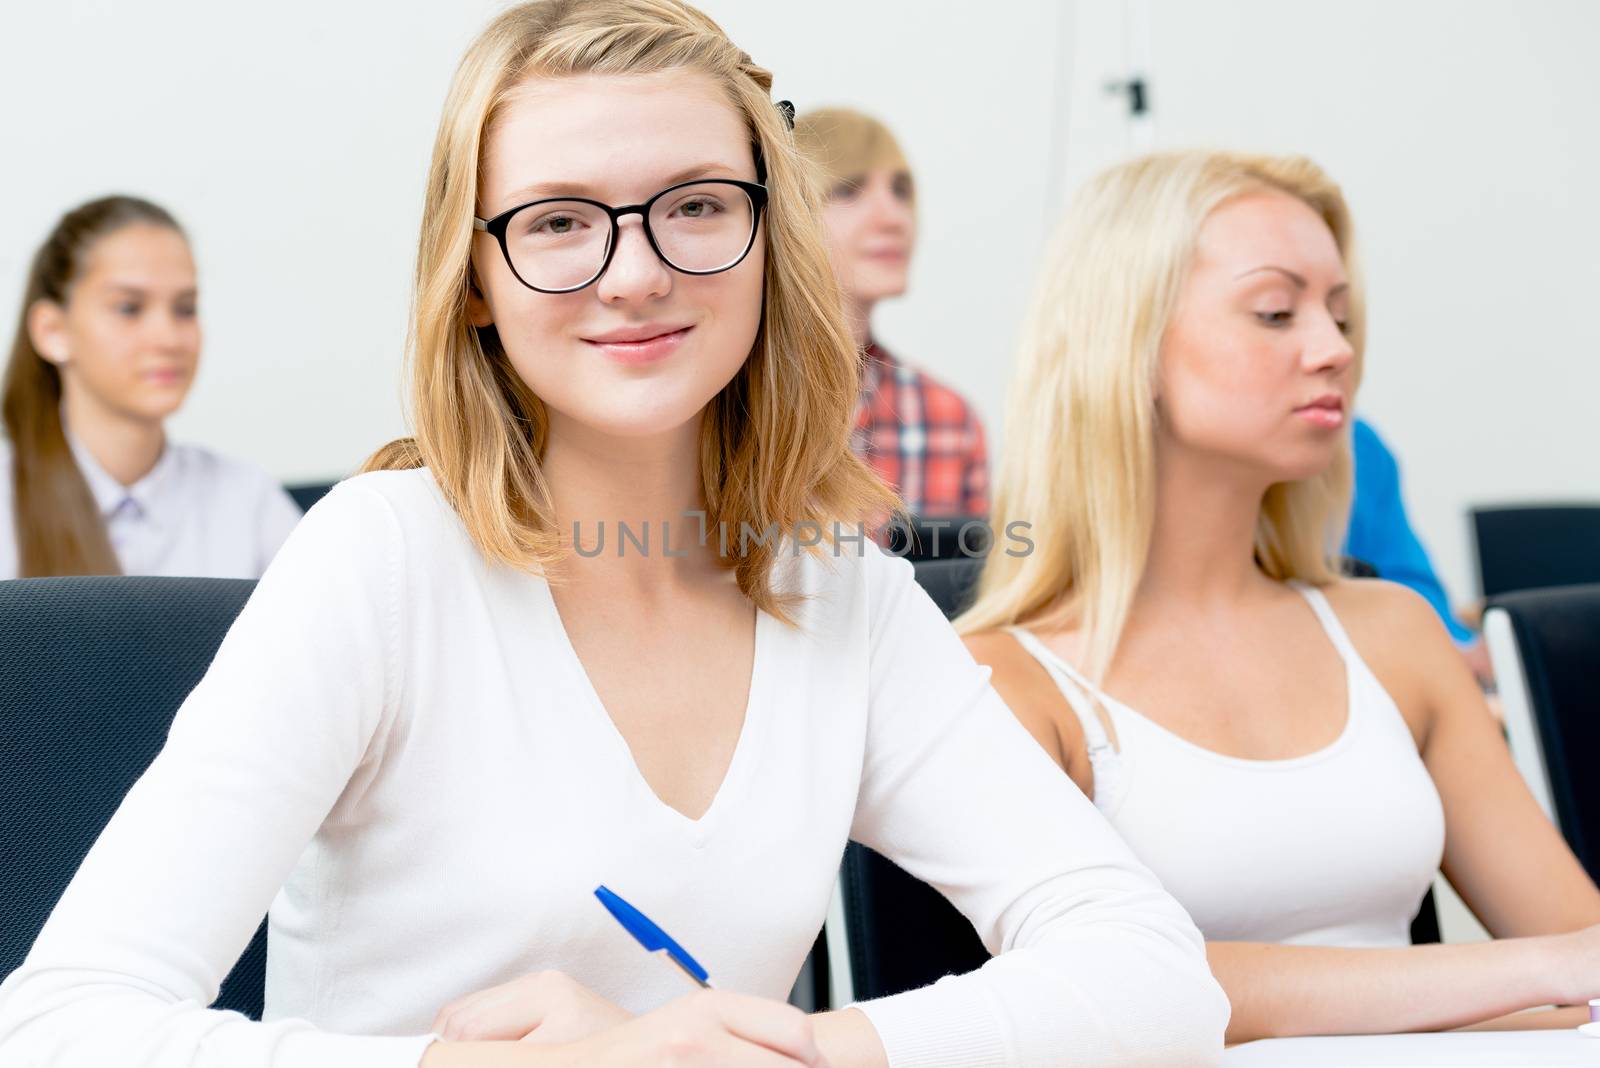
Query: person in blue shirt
{"x":1380,"y":534}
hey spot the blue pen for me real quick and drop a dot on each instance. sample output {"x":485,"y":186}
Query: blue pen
{"x":650,"y":936}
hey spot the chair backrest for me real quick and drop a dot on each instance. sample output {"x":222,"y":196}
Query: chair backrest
{"x":901,"y":933}
{"x":1354,"y":567}
{"x":951,"y":584}
{"x":91,"y":672}
{"x":1545,"y":645}
{"x":952,"y":537}
{"x":308,"y":493}
{"x":1527,"y":547}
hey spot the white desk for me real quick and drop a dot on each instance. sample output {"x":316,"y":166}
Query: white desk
{"x":1500,"y":1049}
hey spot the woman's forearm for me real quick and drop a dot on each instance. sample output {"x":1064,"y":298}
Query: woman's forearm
{"x":1278,"y":991}
{"x":1535,"y":1020}
{"x":848,"y":1039}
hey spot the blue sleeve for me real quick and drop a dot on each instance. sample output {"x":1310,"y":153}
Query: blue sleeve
{"x":1380,"y":533}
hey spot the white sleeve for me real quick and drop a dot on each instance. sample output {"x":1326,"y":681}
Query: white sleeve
{"x":1096,"y":964}
{"x":301,"y":693}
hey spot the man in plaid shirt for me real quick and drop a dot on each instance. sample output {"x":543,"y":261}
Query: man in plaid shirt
{"x":922,"y":437}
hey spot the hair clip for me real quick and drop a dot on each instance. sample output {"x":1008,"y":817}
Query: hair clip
{"x":787,"y":108}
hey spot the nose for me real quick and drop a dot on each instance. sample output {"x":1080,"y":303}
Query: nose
{"x":635,"y":273}
{"x":1328,"y":348}
{"x":888,"y":211}
{"x":170,"y":331}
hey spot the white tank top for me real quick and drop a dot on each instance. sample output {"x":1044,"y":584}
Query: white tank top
{"x":1334,"y":848}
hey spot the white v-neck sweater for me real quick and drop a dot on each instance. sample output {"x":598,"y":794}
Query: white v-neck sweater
{"x":397,"y":749}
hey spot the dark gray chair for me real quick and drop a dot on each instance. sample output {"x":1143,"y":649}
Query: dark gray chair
{"x":956,"y":537}
{"x":1545,"y":645}
{"x":308,"y":493}
{"x":91,"y":672}
{"x":1528,"y":547}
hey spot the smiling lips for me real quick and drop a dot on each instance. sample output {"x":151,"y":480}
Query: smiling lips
{"x":642,"y":344}
{"x":1326,"y":411}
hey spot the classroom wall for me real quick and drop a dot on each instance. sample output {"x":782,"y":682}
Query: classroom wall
{"x":294,"y":144}
{"x":1464,"y":136}
{"x":293,"y":139}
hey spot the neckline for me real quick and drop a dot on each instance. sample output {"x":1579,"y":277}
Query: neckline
{"x":733,"y":776}
{"x":1340,"y":741}
{"x":110,"y":494}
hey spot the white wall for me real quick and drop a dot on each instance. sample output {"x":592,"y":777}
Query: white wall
{"x":1464,"y":135}
{"x":975,"y":107}
{"x":293,"y":145}
{"x":292,"y":141}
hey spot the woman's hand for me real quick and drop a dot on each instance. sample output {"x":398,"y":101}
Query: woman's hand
{"x":546,"y":1007}
{"x":709,"y":1027}
{"x":700,"y":1030}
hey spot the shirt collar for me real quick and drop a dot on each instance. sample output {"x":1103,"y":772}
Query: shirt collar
{"x":111,"y":496}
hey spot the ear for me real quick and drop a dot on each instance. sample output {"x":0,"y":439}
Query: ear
{"x":478,"y":313}
{"x":47,"y":330}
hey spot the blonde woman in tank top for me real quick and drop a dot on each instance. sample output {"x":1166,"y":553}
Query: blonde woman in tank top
{"x":1293,"y":754}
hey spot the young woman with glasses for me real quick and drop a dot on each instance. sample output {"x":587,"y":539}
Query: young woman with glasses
{"x":449,"y":712}
{"x":106,"y":348}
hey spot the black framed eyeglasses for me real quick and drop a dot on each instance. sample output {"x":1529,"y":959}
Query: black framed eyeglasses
{"x":562,"y":244}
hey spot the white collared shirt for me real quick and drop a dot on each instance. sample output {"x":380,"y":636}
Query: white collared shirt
{"x":194,"y":514}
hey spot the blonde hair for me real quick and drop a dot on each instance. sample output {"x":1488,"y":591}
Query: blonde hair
{"x":774,"y":446}
{"x":846,"y":144}
{"x":1080,"y":451}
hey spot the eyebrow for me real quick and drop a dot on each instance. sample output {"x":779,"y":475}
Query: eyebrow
{"x":1299,"y":282}
{"x":540,"y":190}
{"x":140,"y":291}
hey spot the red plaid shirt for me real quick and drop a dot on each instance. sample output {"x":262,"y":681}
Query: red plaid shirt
{"x":921,"y":438}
